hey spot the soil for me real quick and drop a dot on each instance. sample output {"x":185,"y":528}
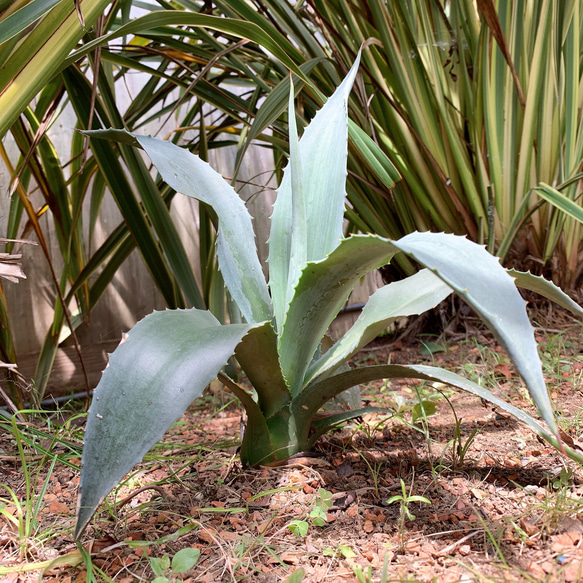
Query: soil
{"x":500,"y":505}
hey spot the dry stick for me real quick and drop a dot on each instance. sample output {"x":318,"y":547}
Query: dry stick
{"x":16,"y":458}
{"x":127,"y":499}
{"x":9,"y":402}
{"x":34,"y":219}
{"x":457,"y":543}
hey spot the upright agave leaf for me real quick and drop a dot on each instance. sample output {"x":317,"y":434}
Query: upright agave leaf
{"x":236,"y":249}
{"x":321,"y":174}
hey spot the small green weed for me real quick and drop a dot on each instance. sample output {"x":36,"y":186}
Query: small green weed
{"x":317,"y":516}
{"x":181,"y":562}
{"x":375,"y":470}
{"x":405,"y":499}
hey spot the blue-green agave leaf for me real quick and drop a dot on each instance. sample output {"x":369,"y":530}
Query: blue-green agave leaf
{"x":485,"y":285}
{"x":163,"y":365}
{"x":327,"y":388}
{"x":322,"y":176}
{"x":413,"y":295}
{"x":258,"y":357}
{"x":545,"y":288}
{"x":236,"y":250}
{"x":322,"y":290}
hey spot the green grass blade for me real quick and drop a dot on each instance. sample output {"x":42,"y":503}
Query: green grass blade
{"x":560,"y":201}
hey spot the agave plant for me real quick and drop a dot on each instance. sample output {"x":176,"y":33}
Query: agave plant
{"x":169,"y":357}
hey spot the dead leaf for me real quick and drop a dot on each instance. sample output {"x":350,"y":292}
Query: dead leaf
{"x":529,"y":528}
{"x":573,"y":572}
{"x":505,"y":369}
{"x":345,"y":469}
{"x":289,"y":558}
{"x":570,"y":525}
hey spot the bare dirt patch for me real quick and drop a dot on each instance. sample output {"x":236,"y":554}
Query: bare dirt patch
{"x":502,"y":506}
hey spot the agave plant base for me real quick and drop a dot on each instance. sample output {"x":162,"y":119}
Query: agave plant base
{"x":275,"y":441}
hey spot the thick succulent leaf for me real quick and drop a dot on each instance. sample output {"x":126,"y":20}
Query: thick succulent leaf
{"x":323,"y":154}
{"x":485,"y":285}
{"x":257,"y":443}
{"x":317,"y":393}
{"x":299,"y":208}
{"x":413,"y":295}
{"x":236,"y":250}
{"x":165,"y":363}
{"x":322,"y":290}
{"x":258,"y":357}
{"x":545,"y":288}
{"x":266,"y":441}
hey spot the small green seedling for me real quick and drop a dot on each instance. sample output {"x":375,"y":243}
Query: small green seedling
{"x":563,"y":480}
{"x":422,"y":410}
{"x":317,"y":516}
{"x":181,"y":562}
{"x":405,"y":499}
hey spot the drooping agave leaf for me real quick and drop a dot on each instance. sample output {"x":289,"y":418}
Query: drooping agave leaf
{"x":545,"y":288}
{"x":322,"y":290}
{"x":329,"y":387}
{"x":164,"y":364}
{"x":480,"y":280}
{"x":323,"y":154}
{"x":236,"y":249}
{"x":407,"y":297}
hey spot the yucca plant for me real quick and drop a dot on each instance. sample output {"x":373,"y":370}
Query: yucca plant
{"x":169,"y":357}
{"x":475,"y":103}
